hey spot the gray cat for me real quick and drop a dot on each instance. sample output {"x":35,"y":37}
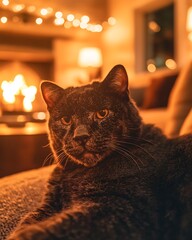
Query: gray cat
{"x":116,"y":177}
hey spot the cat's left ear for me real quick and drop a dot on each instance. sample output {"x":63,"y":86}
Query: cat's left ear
{"x":51,"y":93}
{"x":117,"y":79}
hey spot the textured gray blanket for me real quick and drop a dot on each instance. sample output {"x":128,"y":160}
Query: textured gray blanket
{"x":19,"y":194}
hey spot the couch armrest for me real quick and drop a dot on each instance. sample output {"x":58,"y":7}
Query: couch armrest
{"x":20,"y":193}
{"x":156,"y":116}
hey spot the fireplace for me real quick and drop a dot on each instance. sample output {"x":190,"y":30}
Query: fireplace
{"x":20,"y":100}
{"x":23,"y":131}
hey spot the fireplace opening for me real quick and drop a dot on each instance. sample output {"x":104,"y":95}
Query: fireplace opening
{"x":20,"y":98}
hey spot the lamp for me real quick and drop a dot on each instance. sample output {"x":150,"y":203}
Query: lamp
{"x":189,"y":23}
{"x":91,"y":58}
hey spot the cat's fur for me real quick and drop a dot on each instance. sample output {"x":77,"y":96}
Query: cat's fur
{"x":116,"y":177}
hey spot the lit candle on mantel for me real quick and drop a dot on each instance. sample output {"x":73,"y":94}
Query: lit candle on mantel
{"x":17,"y":96}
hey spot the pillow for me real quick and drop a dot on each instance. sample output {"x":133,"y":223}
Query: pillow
{"x":187,"y":125}
{"x":157,"y":94}
{"x":137,"y":94}
{"x":180,"y":101}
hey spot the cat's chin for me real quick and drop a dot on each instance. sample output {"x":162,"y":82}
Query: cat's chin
{"x":88,"y":159}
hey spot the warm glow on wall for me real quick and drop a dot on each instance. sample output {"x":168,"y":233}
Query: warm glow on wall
{"x":90,"y":57}
{"x":189,"y":23}
{"x":189,"y":19}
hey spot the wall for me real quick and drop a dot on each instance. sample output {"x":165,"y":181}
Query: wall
{"x":190,"y":42}
{"x":27,"y":41}
{"x":119,"y":41}
{"x":66,"y":70}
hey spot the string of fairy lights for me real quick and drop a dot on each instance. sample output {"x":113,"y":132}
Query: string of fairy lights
{"x":26,"y":13}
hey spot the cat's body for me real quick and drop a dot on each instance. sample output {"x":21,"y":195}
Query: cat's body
{"x":117,"y":178}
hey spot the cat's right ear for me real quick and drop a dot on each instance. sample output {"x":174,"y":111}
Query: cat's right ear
{"x":117,"y":80}
{"x":51,"y":93}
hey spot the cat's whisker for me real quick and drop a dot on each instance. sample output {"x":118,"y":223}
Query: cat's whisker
{"x":136,"y":145}
{"x":49,"y":159}
{"x":137,"y":139}
{"x":60,"y":156}
{"x":126,"y":139}
{"x":46,"y":145}
{"x":121,"y":143}
{"x":126,"y":154}
{"x":66,"y":158}
{"x":120,"y":146}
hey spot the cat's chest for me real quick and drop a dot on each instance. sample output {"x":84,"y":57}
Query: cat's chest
{"x":79,"y":188}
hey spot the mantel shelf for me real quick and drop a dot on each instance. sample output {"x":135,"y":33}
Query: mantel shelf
{"x":28,"y":55}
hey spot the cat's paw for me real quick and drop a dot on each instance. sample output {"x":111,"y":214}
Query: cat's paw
{"x":33,"y":232}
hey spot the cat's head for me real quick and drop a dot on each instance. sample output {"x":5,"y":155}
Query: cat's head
{"x":87,"y":123}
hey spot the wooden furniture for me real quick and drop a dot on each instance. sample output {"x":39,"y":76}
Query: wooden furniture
{"x":23,"y":148}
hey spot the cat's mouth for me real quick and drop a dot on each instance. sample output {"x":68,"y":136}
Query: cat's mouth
{"x":87,"y":155}
{"x":88,"y":159}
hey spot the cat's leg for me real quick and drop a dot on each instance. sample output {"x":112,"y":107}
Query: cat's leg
{"x":72,"y":224}
{"x":51,"y":203}
{"x":54,"y":227}
{"x":88,"y":220}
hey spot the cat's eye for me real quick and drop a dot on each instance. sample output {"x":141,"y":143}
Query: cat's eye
{"x":66,"y":120}
{"x":102,"y":114}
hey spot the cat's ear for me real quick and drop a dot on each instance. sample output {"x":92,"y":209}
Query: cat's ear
{"x":51,"y":93}
{"x":117,"y":79}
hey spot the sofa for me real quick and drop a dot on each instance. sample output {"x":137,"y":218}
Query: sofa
{"x":19,"y":194}
{"x":165,"y":99}
{"x":23,"y":192}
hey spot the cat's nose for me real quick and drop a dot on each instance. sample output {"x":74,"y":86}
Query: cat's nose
{"x":81,"y":134}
